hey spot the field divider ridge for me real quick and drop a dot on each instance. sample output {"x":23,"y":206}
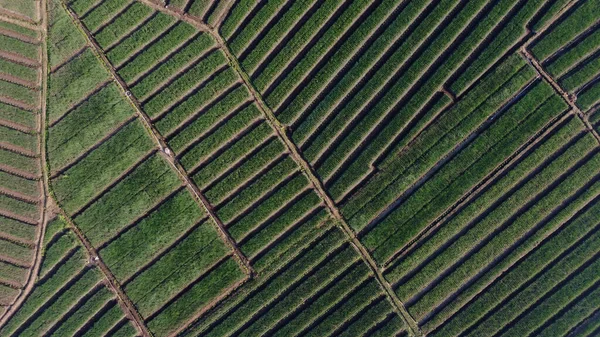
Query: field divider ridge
{"x":166,"y":152}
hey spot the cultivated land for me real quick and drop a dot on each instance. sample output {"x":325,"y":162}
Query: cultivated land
{"x":299,"y":168}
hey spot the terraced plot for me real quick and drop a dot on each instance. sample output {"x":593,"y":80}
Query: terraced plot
{"x":311,"y":168}
{"x":21,"y":194}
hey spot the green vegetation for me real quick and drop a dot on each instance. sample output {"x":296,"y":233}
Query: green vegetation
{"x":301,"y":168}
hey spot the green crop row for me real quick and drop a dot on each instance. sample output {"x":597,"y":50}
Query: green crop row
{"x":17,"y":229}
{"x":15,"y":251}
{"x":32,"y":33}
{"x":198,"y":8}
{"x":19,"y":70}
{"x":293,"y":217}
{"x":354,"y":304}
{"x":387,"y":120}
{"x":577,"y":21}
{"x":23,"y":140}
{"x":276,"y":309}
{"x":548,"y":15}
{"x":82,"y":7}
{"x":155,"y":233}
{"x":13,"y":273}
{"x":128,"y":200}
{"x":103,"y":13}
{"x":172,"y":67}
{"x":142,"y":36}
{"x":19,"y":207}
{"x":530,"y":296}
{"x":272,"y":287}
{"x":325,"y":302}
{"x":494,"y":50}
{"x":460,"y":174}
{"x":54,"y":228}
{"x":187,"y":138}
{"x":126,"y":330}
{"x":182,"y":264}
{"x":11,"y":182}
{"x":64,"y":39}
{"x":589,"y":97}
{"x":43,"y":291}
{"x":434,"y":142}
{"x":84,"y":126}
{"x":271,"y":35}
{"x":102,"y":325}
{"x":216,"y":13}
{"x":208,"y":172}
{"x":19,"y":116}
{"x":329,"y":107}
{"x":54,"y":311}
{"x":123,"y":24}
{"x":569,"y":320}
{"x":84,"y":313}
{"x":537,"y":234}
{"x":56,"y":251}
{"x":367,"y":319}
{"x":198,"y":296}
{"x":558,"y":66}
{"x":20,"y":93}
{"x":270,"y":182}
{"x":532,"y":263}
{"x":71,"y":83}
{"x":504,"y":238}
{"x":238,"y":13}
{"x":271,"y":152}
{"x":74,"y":188}
{"x":513,"y":176}
{"x":193,"y":79}
{"x":206,"y":142}
{"x":19,"y":47}
{"x":254,"y":26}
{"x":349,"y":49}
{"x":493,"y":219}
{"x":263,"y":78}
{"x":26,"y":164}
{"x":159,"y":49}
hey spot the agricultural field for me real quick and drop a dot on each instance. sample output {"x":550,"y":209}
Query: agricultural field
{"x":300,"y":168}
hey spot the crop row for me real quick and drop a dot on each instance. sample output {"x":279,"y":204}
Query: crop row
{"x":532,"y":161}
{"x":323,"y":289}
{"x":568,"y":239}
{"x":435,"y":142}
{"x":125,"y":196}
{"x":512,"y":127}
{"x":500,"y":230}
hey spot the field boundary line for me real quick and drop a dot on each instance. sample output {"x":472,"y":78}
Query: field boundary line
{"x":46,"y":211}
{"x":165,"y":150}
{"x":318,"y":187}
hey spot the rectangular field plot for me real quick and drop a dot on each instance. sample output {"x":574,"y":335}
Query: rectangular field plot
{"x":69,"y":296}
